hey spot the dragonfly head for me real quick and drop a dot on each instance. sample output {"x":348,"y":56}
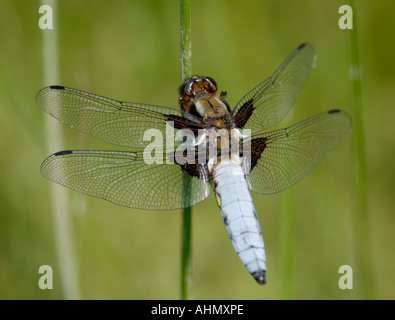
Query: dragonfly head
{"x":194,"y":89}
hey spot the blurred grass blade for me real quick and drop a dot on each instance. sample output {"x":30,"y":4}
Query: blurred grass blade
{"x":286,"y":244}
{"x":186,"y":71}
{"x":360,"y":218}
{"x":59,"y":204}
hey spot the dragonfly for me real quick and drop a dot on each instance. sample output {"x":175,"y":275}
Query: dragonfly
{"x":265,"y":161}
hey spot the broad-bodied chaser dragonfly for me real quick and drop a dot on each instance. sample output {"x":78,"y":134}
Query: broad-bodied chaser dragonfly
{"x":276,"y":159}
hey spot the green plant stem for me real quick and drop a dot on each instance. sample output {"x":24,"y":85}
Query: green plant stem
{"x":62,"y":227}
{"x":186,"y":43}
{"x":186,"y":71}
{"x":360,"y":217}
{"x":186,"y":254}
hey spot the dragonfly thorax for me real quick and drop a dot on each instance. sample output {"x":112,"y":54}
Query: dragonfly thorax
{"x":221,"y":145}
{"x":198,"y":95}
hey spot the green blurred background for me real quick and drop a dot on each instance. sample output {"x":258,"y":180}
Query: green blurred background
{"x":129,"y":50}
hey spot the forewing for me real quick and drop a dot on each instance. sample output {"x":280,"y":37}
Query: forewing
{"x":126,"y":179}
{"x":117,"y":122}
{"x":266,"y":104}
{"x":281,"y":158}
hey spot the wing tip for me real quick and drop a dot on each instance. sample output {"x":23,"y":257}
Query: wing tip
{"x":44,"y":91}
{"x":62,"y":153}
{"x":302,"y":45}
{"x":57,"y":87}
{"x":343,"y":113}
{"x":49,"y":159}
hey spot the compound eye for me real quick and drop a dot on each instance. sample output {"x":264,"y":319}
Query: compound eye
{"x":210,"y":84}
{"x":186,"y":87}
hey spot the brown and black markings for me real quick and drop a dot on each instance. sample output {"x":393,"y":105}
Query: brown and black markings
{"x":203,"y":88}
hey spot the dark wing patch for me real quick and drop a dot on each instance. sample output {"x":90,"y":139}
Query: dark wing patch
{"x":183,"y":123}
{"x":199,"y":171}
{"x":251,"y":152}
{"x":244,"y":113}
{"x":258,"y":145}
{"x":194,"y":163}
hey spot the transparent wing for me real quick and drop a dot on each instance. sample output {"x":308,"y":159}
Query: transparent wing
{"x":266,"y":104}
{"x":124,"y":178}
{"x":117,"y":122}
{"x":281,"y":158}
